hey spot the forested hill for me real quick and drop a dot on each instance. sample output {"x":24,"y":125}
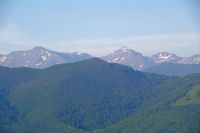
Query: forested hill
{"x":96,"y":96}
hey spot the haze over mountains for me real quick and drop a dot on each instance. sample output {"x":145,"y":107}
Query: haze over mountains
{"x":39,"y":57}
{"x":174,"y":69}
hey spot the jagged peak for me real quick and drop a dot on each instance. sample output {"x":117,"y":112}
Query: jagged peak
{"x":125,"y":49}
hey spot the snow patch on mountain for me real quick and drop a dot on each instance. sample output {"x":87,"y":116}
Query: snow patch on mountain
{"x":125,"y":49}
{"x":38,"y":64}
{"x":78,"y":53}
{"x":3,"y":59}
{"x":116,"y":59}
{"x":129,"y":57}
{"x":43,"y":58}
{"x":141,"y":66}
{"x":196,"y":59}
{"x":48,"y":53}
{"x":39,"y":57}
{"x":122,"y":58}
{"x":164,"y":57}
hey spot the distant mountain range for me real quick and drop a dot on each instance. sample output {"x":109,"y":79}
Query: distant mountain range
{"x":164,"y":57}
{"x":129,"y":57}
{"x":39,"y":57}
{"x":94,"y":96}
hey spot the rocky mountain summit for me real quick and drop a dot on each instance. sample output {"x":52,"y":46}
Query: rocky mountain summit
{"x":39,"y":57}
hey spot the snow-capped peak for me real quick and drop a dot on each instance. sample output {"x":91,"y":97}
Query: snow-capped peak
{"x":164,"y":56}
{"x":43,"y":58}
{"x":3,"y":59}
{"x":125,"y":49}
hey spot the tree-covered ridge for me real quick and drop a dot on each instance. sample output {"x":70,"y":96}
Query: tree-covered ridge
{"x":95,"y":96}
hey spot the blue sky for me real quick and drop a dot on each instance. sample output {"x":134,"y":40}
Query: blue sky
{"x":100,"y":27}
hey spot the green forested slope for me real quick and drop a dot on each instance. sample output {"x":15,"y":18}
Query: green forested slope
{"x":95,"y":96}
{"x":165,"y":115}
{"x":9,"y":78}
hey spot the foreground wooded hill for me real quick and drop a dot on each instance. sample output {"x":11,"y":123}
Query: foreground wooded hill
{"x":94,"y":96}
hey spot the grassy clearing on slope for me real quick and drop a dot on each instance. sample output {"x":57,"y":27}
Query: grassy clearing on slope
{"x":191,"y":97}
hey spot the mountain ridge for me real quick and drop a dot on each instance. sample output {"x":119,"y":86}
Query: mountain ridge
{"x":129,"y":57}
{"x":40,"y":57}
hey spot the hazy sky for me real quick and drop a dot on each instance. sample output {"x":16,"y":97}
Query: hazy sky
{"x":99,"y":27}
